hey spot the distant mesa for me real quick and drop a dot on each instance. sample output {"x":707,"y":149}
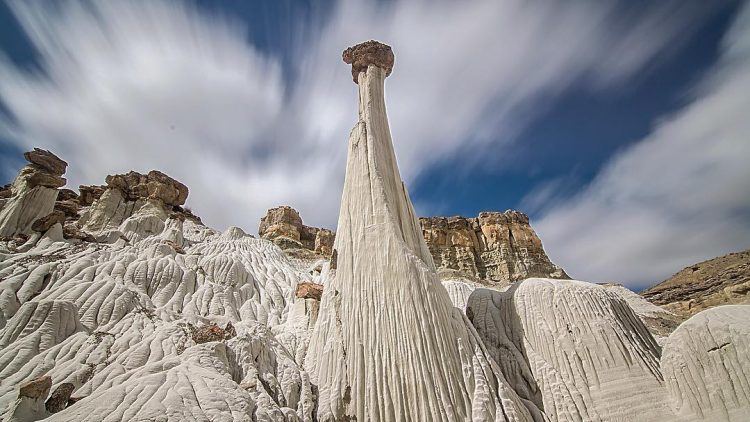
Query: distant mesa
{"x":718,"y":281}
{"x":494,"y":247}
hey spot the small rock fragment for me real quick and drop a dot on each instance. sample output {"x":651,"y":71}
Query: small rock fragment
{"x":309,"y":291}
{"x":59,"y":398}
{"x":36,"y":388}
{"x":46,"y":160}
{"x":43,"y":224}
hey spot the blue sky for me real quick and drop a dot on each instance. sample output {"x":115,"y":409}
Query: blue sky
{"x":618,"y":126}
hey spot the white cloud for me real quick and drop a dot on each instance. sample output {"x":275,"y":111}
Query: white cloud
{"x":679,"y":196}
{"x":146,"y":85}
{"x":141,"y":85}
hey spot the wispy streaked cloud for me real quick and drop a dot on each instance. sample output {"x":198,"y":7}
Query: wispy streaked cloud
{"x":140,"y":85}
{"x":680,"y":196}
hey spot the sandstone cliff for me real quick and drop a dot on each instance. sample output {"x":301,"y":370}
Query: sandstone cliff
{"x":720,"y":281}
{"x":494,"y":247}
{"x":283,"y":225}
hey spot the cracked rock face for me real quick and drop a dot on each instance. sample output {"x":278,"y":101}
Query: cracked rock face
{"x":369,"y":53}
{"x":154,"y":185}
{"x":495,"y":247}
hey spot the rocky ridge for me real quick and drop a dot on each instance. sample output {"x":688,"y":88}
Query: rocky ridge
{"x":123,"y":320}
{"x":495,"y":248}
{"x":158,"y":317}
{"x":283,"y":225}
{"x":719,"y":281}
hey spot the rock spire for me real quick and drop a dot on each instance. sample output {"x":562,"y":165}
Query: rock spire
{"x":388,"y":344}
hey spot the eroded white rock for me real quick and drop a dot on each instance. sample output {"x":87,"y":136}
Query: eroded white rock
{"x":706,"y":365}
{"x":388,"y":344}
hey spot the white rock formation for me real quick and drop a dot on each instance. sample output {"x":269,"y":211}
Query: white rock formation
{"x":658,"y":320}
{"x":118,"y":321}
{"x":706,"y":365}
{"x":33,"y":193}
{"x":388,"y":344}
{"x":575,"y":347}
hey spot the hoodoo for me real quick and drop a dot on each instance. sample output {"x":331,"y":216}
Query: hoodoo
{"x":388,"y":344}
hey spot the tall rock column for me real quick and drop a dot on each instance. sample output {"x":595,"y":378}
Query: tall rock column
{"x":388,"y":344}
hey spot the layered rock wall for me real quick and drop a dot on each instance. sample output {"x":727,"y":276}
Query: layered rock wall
{"x":720,"y":281}
{"x":283,"y":225}
{"x":495,"y":248}
{"x":498,"y":247}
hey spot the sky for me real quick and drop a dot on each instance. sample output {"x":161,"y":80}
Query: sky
{"x":620,"y":127}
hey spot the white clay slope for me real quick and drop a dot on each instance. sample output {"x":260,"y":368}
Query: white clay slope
{"x":389,"y":345}
{"x":116,"y":321}
{"x":706,"y":364}
{"x":574,"y":346}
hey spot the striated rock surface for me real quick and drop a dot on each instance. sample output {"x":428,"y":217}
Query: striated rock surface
{"x":719,"y":281}
{"x":659,"y":321}
{"x":573,"y":348}
{"x":495,"y":247}
{"x":388,"y":344}
{"x":129,"y":327}
{"x":114,"y":320}
{"x":706,"y":366}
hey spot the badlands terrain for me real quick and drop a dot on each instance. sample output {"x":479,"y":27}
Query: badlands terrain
{"x":119,"y":304}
